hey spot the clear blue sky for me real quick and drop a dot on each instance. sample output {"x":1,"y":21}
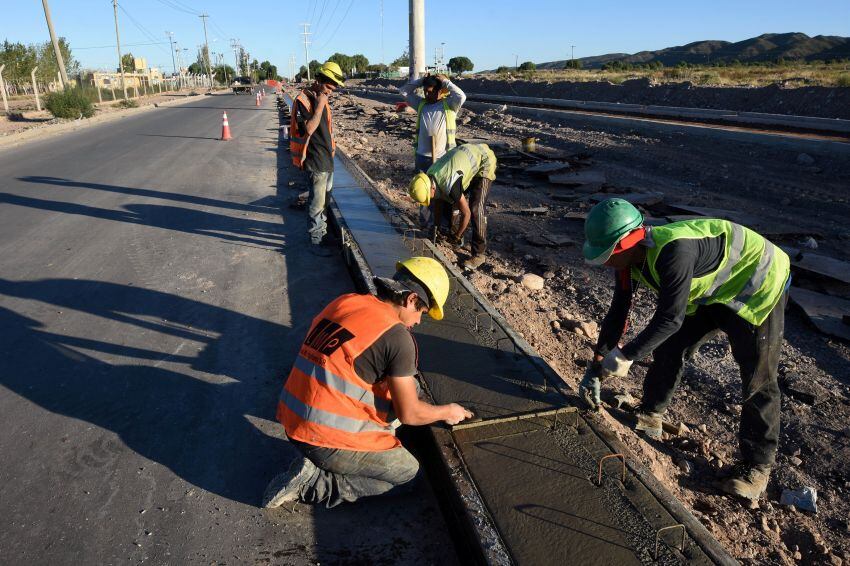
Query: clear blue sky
{"x":488,"y":32}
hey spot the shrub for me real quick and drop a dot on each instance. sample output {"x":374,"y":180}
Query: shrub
{"x":69,"y":103}
{"x":128,"y":103}
{"x":843,"y":80}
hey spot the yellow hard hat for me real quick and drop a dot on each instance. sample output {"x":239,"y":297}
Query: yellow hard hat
{"x":332,"y":71}
{"x":432,"y":275}
{"x":420,"y":189}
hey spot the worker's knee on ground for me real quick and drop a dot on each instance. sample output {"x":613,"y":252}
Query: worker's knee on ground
{"x":408,"y":469}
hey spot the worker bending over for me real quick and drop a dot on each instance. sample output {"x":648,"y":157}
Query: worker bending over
{"x":708,"y":274}
{"x":353,"y":376}
{"x":312,"y":144}
{"x":436,"y":126}
{"x":461,"y":178}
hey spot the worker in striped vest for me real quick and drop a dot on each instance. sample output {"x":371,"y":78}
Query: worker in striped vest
{"x":709,"y":275}
{"x":353,"y":377}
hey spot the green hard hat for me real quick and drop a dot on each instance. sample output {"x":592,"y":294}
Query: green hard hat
{"x":607,"y":223}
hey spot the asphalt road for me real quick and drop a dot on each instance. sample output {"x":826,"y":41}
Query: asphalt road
{"x":154,"y":289}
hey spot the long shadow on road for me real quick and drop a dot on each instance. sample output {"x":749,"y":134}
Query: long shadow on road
{"x":194,"y":425}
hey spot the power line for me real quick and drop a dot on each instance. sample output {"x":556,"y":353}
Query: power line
{"x":322,"y":13}
{"x":125,"y":45}
{"x":350,"y":3}
{"x":175,"y":6}
{"x":141,"y":28}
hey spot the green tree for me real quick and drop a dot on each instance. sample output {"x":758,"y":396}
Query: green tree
{"x":128,"y":63}
{"x":460,"y":65}
{"x":572,"y":64}
{"x":359,"y":63}
{"x":314,"y":68}
{"x":343,"y":60}
{"x":197,"y":68}
{"x":527,"y":66}
{"x":503,"y":70}
{"x":19,"y":60}
{"x":402,"y":61}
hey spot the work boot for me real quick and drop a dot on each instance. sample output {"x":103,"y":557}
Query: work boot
{"x":650,"y":423}
{"x":747,"y":480}
{"x":286,"y":487}
{"x":474,"y":262}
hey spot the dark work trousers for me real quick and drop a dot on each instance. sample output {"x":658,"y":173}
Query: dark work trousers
{"x":477,"y":193}
{"x":755,"y":348}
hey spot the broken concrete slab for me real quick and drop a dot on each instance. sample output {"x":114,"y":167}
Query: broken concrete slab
{"x":731,"y":215}
{"x":645,"y":199}
{"x":819,"y":264}
{"x":827,"y":313}
{"x":534,"y":211}
{"x":578,"y":178}
{"x":547,"y":167}
{"x":804,"y":389}
{"x":549,"y":240}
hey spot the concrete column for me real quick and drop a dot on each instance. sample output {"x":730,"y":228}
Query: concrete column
{"x":3,"y":90}
{"x":35,"y":88}
{"x":417,"y":38}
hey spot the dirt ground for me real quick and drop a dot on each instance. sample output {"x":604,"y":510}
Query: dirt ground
{"x":826,"y":102}
{"x":23,"y":115}
{"x":801,"y":196}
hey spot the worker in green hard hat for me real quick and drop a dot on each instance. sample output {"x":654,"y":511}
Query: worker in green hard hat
{"x":709,"y":275}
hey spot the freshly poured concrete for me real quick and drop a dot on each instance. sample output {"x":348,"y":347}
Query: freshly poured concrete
{"x":536,"y":476}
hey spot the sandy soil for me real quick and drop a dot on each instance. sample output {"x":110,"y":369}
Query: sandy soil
{"x":774,"y":185}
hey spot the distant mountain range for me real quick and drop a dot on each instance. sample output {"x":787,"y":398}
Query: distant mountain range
{"x":766,"y":47}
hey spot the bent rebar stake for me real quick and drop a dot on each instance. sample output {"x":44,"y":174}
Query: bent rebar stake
{"x":670,"y":528}
{"x":602,"y":460}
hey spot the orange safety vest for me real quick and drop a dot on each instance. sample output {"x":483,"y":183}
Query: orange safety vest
{"x":324,"y":402}
{"x":299,"y":140}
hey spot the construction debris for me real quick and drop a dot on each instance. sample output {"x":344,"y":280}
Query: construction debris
{"x":547,"y":167}
{"x":820,"y":264}
{"x":532,"y":281}
{"x":644,"y":199}
{"x":579,"y":178}
{"x":805,"y":498}
{"x":827,"y":313}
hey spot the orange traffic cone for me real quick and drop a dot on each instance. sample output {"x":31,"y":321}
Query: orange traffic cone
{"x":258,"y":99}
{"x":225,"y":128}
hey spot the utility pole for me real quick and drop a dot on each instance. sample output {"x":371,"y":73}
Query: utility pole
{"x":306,"y":33}
{"x":59,"y":60}
{"x":118,"y":47}
{"x":416,"y":51}
{"x":382,"y":33}
{"x":206,"y":48}
{"x":291,"y":67}
{"x":516,"y":62}
{"x":170,"y":35}
{"x":572,"y":52}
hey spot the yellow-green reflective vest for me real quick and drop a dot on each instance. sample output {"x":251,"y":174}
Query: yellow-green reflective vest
{"x":470,"y":160}
{"x":451,"y":125}
{"x":750,"y":279}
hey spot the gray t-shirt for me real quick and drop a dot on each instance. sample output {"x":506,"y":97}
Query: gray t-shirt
{"x":394,"y":354}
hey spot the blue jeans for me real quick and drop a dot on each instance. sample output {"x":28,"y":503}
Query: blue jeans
{"x":321,"y":183}
{"x":348,"y":475}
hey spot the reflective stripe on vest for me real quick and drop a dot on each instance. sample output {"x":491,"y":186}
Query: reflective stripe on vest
{"x":347,"y":388}
{"x":451,"y":125}
{"x":298,"y":141}
{"x":324,"y":401}
{"x":750,"y":279}
{"x":326,"y":418}
{"x":478,"y":161}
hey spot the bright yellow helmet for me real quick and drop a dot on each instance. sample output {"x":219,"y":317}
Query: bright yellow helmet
{"x":420,"y":189}
{"x":432,"y":275}
{"x":332,"y":71}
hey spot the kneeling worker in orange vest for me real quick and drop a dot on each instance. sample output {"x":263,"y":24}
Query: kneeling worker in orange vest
{"x":353,"y":376}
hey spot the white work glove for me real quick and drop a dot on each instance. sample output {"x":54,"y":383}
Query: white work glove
{"x":615,"y":364}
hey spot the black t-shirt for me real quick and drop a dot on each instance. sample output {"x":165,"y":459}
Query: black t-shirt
{"x":677,"y":264}
{"x":319,"y":157}
{"x":394,"y":354}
